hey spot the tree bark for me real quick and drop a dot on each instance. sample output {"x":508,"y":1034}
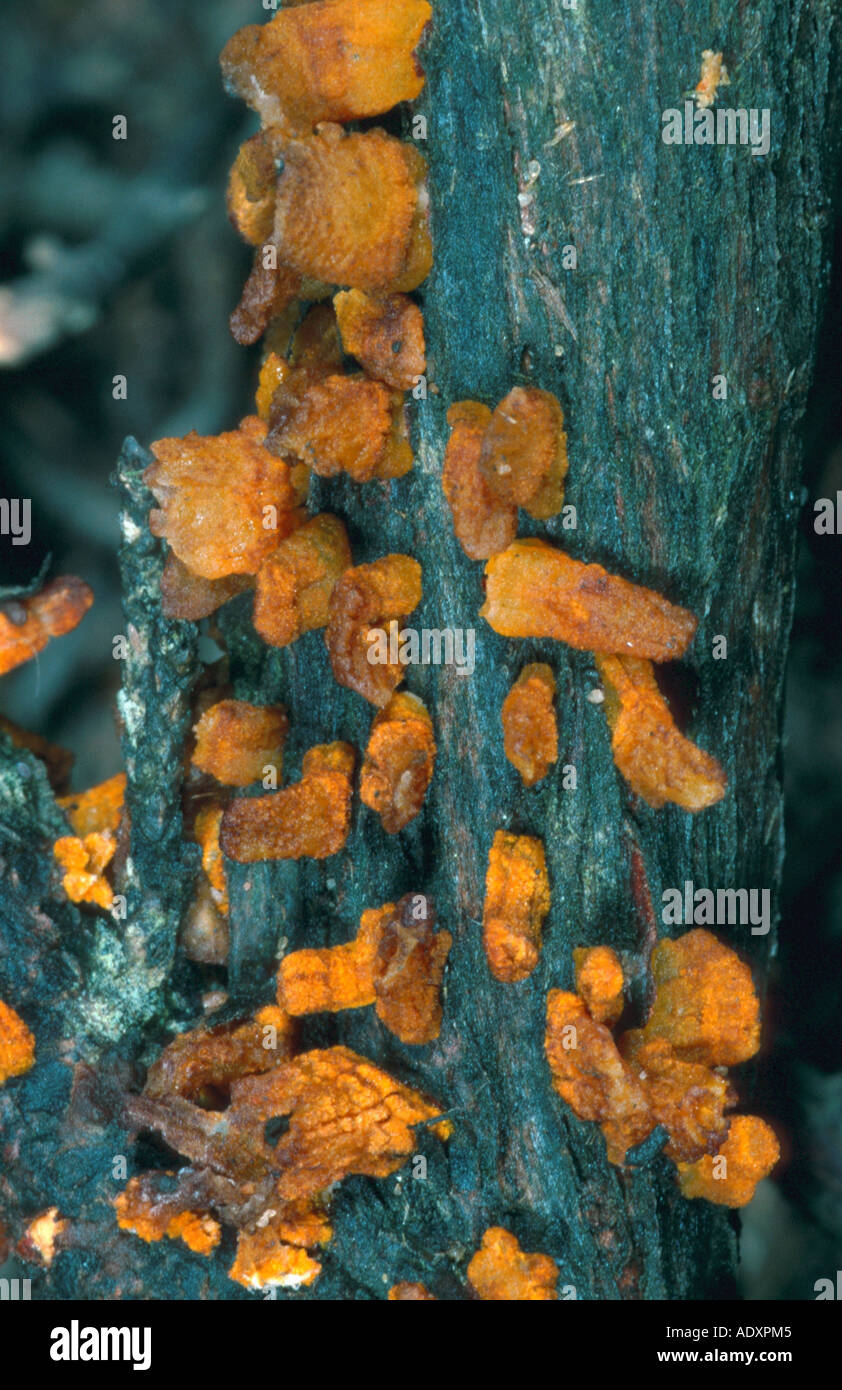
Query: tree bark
{"x":543,"y":133}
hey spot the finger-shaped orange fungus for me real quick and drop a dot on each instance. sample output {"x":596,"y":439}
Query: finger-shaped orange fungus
{"x":292,"y":594}
{"x":187,"y":596}
{"x":530,"y":734}
{"x":99,"y":808}
{"x":657,"y":761}
{"x":523,"y":457}
{"x":84,"y":860}
{"x":535,"y":590}
{"x":17,"y":1044}
{"x":670,"y":1073}
{"x":334,"y":60}
{"x":517,"y":899}
{"x":483,"y":523}
{"x":367,"y":607}
{"x":729,"y":1178}
{"x":396,"y":962}
{"x":236,"y":741}
{"x":224,"y":501}
{"x":599,"y":981}
{"x":340,"y":424}
{"x":501,"y":1272}
{"x":386,"y":336}
{"x":351,"y":210}
{"x":27,"y":624}
{"x":399,"y":761}
{"x":705,"y":1003}
{"x":331,"y":978}
{"x":406,"y":1292}
{"x":310,"y":819}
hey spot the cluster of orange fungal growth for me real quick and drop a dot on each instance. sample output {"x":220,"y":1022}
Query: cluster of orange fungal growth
{"x":235,"y":741}
{"x":517,"y":899}
{"x":212,"y":1094}
{"x":370,"y":600}
{"x":95,"y":817}
{"x":530,"y":733}
{"x":17,"y":1044}
{"x":396,"y":962}
{"x":501,"y":1272}
{"x":27,"y":624}
{"x":311,"y":818}
{"x":672,"y":1072}
{"x":399,"y":760}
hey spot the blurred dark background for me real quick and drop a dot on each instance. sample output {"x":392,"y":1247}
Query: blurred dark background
{"x":116,"y":258}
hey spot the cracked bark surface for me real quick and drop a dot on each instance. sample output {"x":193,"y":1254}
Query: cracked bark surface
{"x":691,"y":261}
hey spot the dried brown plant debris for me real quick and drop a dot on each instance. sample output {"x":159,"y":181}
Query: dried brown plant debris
{"x":186,"y":595}
{"x":27,"y":624}
{"x":517,"y":899}
{"x":399,"y":761}
{"x":385,"y":335}
{"x":310,"y":819}
{"x":656,"y":760}
{"x":367,"y":600}
{"x":535,"y":590}
{"x":530,"y":732}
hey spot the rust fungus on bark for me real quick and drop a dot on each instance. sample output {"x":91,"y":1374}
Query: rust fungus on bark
{"x":42,"y":1237}
{"x":399,"y":761}
{"x":530,"y":733}
{"x":408,"y":970}
{"x":483,"y":523}
{"x":367,"y":607}
{"x":714,"y":75}
{"x":274,"y":1254}
{"x":271,"y":288}
{"x":235,"y":741}
{"x":251,"y":189}
{"x":292,"y":594}
{"x":99,"y":808}
{"x":406,"y":1292}
{"x":729,"y":1178}
{"x":17,"y":1044}
{"x":340,"y":424}
{"x":201,"y":1065}
{"x":224,"y":501}
{"x":656,"y":760}
{"x":330,"y":978}
{"x":141,"y":1211}
{"x":688,"y":1099}
{"x":501,"y":1272}
{"x":351,"y":210}
{"x":310,"y":819}
{"x":535,"y":590}
{"x":186,"y":595}
{"x":705,"y":1002}
{"x":27,"y":624}
{"x":523,"y":456}
{"x":599,"y":981}
{"x":333,"y":60}
{"x":517,"y":899}
{"x":84,"y":860}
{"x":385,"y":335}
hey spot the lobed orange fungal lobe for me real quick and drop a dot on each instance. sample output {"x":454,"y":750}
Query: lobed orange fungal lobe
{"x":27,"y":624}
{"x":729,"y":1177}
{"x":292,"y":594}
{"x":530,"y":733}
{"x":705,"y":1003}
{"x":502,"y":1272}
{"x":264,"y":1260}
{"x":310,"y":819}
{"x":206,"y":834}
{"x":17,"y":1044}
{"x":346,"y":1116}
{"x":142,"y":1212}
{"x":333,"y":60}
{"x":225,"y":501}
{"x":185,"y":595}
{"x":590,"y":1074}
{"x":688,"y":1099}
{"x":517,"y":899}
{"x":340,"y":424}
{"x":523,"y":456}
{"x":367,"y":606}
{"x":535,"y":590}
{"x":84,"y":860}
{"x":385,"y":335}
{"x":251,"y":189}
{"x":599,"y":982}
{"x":656,"y":760}
{"x":406,"y":1292}
{"x":351,"y":210}
{"x":408,"y":969}
{"x":236,"y":741}
{"x":484,"y":524}
{"x":330,"y":978}
{"x":100,"y":808}
{"x":399,"y":761}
